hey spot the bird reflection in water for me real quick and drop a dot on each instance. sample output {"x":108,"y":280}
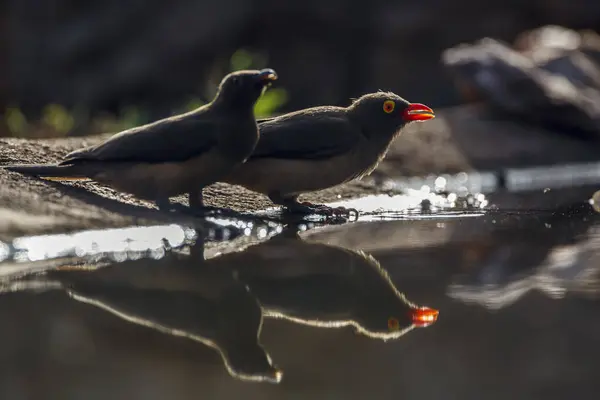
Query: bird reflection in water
{"x":221,"y":301}
{"x":325,"y":286}
{"x":549,"y":252}
{"x":177,"y":297}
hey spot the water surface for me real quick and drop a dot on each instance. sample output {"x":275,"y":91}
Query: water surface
{"x":316,"y":310}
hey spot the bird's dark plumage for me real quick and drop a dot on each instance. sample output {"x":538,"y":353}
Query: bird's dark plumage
{"x":155,"y":142}
{"x":176,"y":296}
{"x":322,"y":147}
{"x":304,"y":135}
{"x":175,"y":155}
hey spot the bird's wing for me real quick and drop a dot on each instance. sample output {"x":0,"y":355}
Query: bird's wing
{"x":158,"y":309}
{"x":172,"y":139}
{"x":307,"y":137}
{"x":260,"y":120}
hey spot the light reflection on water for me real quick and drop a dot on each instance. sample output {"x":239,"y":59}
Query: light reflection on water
{"x":80,"y":244}
{"x":435,"y":196}
{"x":30,"y":254}
{"x":416,"y":204}
{"x":420,"y":203}
{"x":511,"y":179}
{"x":462,"y":183}
{"x":553,"y":277}
{"x":123,"y":243}
{"x":436,"y":271}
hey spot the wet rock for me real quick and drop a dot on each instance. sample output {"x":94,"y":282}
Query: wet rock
{"x":469,"y":137}
{"x":105,"y":55}
{"x":54,"y":207}
{"x":459,"y":139}
{"x":551,"y":79}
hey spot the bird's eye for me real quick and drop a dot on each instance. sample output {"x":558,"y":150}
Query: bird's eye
{"x":393,"y":324}
{"x":388,"y":106}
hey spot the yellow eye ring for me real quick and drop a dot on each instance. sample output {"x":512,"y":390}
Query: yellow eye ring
{"x":388,"y":106}
{"x":393,"y":324}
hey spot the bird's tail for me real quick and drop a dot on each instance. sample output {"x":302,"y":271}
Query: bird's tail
{"x":53,"y":171}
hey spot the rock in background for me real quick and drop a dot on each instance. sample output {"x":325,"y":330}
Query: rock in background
{"x":551,"y":78}
{"x":105,"y":55}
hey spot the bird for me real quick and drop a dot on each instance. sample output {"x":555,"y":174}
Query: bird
{"x":173,"y":296}
{"x":322,"y":147}
{"x":325,"y":286}
{"x":176,"y":155}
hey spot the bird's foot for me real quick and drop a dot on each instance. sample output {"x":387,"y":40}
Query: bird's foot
{"x":165,"y":205}
{"x":200,"y":212}
{"x":335,"y":213}
{"x":197,"y":207}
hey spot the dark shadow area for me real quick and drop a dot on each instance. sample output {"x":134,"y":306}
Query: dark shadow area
{"x":220,"y":301}
{"x":180,"y":213}
{"x":517,"y":295}
{"x":471,"y":270}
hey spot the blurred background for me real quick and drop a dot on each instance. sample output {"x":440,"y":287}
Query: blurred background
{"x":81,"y":67}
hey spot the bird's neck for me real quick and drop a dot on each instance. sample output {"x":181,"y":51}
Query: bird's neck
{"x":237,"y":106}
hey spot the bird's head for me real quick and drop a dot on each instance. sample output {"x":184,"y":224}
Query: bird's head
{"x":390,"y":324}
{"x":385,"y":114}
{"x":241,"y":89}
{"x":252,"y":363}
{"x":381,"y":310}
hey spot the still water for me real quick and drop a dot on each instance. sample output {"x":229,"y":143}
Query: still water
{"x":430,"y":295}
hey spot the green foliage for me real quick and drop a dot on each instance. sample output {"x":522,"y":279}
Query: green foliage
{"x":15,"y":121}
{"x":56,"y":120}
{"x":246,"y":59}
{"x":132,"y":116}
{"x":241,"y":59}
{"x":128,"y":118}
{"x":266,"y":106}
{"x":270,"y":102}
{"x":194,"y":103}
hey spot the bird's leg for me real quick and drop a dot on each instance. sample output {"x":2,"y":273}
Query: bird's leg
{"x":164,"y":204}
{"x":197,"y":248}
{"x":196,"y":208}
{"x":292,"y":204}
{"x":196,"y":201}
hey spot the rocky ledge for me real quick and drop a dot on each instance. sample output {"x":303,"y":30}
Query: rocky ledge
{"x":460,"y":139}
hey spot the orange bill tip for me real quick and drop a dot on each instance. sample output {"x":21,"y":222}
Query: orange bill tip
{"x":268,"y":74}
{"x":277,"y":376}
{"x":76,"y":268}
{"x":418,"y":112}
{"x":64,"y":178}
{"x":424,"y":316}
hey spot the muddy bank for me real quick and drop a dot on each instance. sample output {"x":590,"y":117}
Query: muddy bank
{"x":459,"y":139}
{"x":33,"y":206}
{"x":76,"y":347}
{"x":102,"y":57}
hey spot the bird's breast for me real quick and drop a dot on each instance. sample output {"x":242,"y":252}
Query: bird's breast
{"x":237,"y":142}
{"x":294,"y":176}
